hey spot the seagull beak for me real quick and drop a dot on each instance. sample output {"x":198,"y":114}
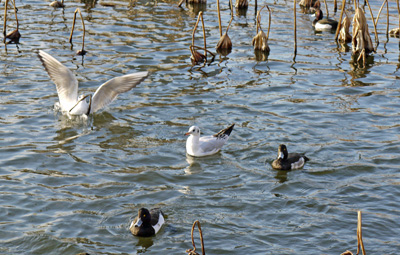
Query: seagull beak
{"x":188,"y":133}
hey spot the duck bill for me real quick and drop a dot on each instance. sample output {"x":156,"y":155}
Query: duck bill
{"x":138,"y":223}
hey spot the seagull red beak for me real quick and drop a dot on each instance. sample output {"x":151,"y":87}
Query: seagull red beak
{"x":188,"y":133}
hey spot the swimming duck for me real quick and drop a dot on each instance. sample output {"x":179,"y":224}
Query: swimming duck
{"x":207,"y":145}
{"x":288,"y":161}
{"x":147,"y":223}
{"x":322,"y":24}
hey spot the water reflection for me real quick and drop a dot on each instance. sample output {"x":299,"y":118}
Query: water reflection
{"x":145,"y":243}
{"x":194,"y":166}
{"x":281,"y":176}
{"x":360,"y":69}
{"x":261,"y":55}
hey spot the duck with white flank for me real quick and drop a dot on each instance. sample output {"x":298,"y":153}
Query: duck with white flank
{"x":288,"y":161}
{"x":147,"y":223}
{"x":67,"y":87}
{"x":207,"y":145}
{"x":323,"y":24}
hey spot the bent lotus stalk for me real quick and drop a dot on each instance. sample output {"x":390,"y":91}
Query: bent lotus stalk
{"x":82,"y":51}
{"x":196,"y":56}
{"x":260,"y":41}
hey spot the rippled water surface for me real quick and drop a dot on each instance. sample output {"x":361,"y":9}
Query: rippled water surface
{"x":73,"y":185}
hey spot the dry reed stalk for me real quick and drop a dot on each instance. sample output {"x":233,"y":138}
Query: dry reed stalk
{"x":193,"y":252}
{"x":344,"y":34}
{"x":14,"y":35}
{"x":260,"y":41}
{"x":224,"y":45}
{"x":82,"y":51}
{"x":379,"y":13}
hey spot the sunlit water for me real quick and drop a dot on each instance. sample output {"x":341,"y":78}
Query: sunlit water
{"x":74,"y":185}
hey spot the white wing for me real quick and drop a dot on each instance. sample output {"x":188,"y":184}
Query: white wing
{"x":107,"y":92}
{"x":66,"y":82}
{"x":212,"y":144}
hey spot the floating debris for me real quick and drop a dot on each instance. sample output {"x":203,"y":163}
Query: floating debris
{"x":82,"y":51}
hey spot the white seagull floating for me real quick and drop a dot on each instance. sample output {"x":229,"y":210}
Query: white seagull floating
{"x":67,"y":87}
{"x":207,"y":145}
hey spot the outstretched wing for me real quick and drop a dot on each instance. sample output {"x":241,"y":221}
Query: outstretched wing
{"x":107,"y":92}
{"x":65,"y":80}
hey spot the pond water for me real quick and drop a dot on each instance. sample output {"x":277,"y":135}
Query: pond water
{"x":73,"y":185}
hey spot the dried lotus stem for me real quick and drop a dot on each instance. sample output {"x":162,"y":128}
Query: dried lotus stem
{"x":193,"y":252}
{"x":294,"y":27}
{"x":241,"y":4}
{"x":196,"y":56}
{"x":326,"y":8}
{"x":340,"y":20}
{"x":359,"y":235}
{"x":79,"y":52}
{"x":224,"y":44}
{"x":260,"y":41}
{"x":395,"y":31}
{"x":372,"y":16}
{"x":344,"y":34}
{"x":14,"y":35}
{"x":361,"y":42}
{"x":379,"y":13}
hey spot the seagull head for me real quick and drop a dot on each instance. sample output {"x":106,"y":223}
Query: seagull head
{"x":193,"y":130}
{"x":82,"y":106}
